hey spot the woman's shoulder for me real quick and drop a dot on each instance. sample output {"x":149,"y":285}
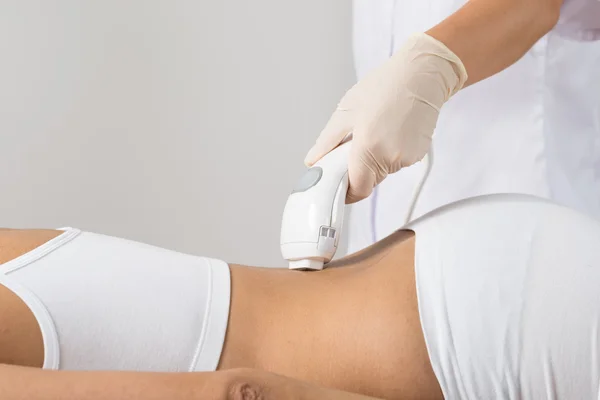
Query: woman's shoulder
{"x":16,"y":242}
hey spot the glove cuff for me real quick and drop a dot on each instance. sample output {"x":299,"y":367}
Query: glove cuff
{"x":424,"y":44}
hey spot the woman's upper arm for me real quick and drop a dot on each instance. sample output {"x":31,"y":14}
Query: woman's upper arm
{"x":21,"y":341}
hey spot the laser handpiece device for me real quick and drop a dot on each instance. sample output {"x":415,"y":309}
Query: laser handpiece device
{"x":314,"y":213}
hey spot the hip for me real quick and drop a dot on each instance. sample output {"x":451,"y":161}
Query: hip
{"x":508,"y":298}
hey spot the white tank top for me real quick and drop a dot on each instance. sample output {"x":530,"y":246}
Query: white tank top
{"x":104,"y":303}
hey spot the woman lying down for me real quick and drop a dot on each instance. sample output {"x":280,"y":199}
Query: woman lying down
{"x":492,"y":297}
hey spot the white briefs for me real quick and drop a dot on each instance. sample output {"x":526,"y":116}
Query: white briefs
{"x":104,"y":303}
{"x":509,"y":297}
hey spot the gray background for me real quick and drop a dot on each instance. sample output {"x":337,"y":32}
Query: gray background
{"x":177,"y":123}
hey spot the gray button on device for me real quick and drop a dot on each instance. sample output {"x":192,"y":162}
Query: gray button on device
{"x":309,"y":179}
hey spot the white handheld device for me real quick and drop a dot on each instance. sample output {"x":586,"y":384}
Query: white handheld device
{"x":314,"y":212}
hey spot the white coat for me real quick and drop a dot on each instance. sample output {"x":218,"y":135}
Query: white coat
{"x":533,"y":128}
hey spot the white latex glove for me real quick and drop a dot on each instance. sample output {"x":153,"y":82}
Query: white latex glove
{"x":392,"y":113}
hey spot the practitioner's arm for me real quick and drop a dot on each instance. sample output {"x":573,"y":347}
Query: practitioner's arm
{"x":393,"y":111}
{"x":490,"y":35}
{"x":22,"y":383}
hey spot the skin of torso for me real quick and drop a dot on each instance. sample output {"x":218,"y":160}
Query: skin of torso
{"x":354,"y":326}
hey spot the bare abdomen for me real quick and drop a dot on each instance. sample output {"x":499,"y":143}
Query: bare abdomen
{"x":355,"y":328}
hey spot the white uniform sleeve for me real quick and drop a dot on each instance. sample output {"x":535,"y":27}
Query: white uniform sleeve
{"x":580,"y":20}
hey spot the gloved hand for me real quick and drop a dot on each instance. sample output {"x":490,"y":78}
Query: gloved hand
{"x":392,"y":113}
